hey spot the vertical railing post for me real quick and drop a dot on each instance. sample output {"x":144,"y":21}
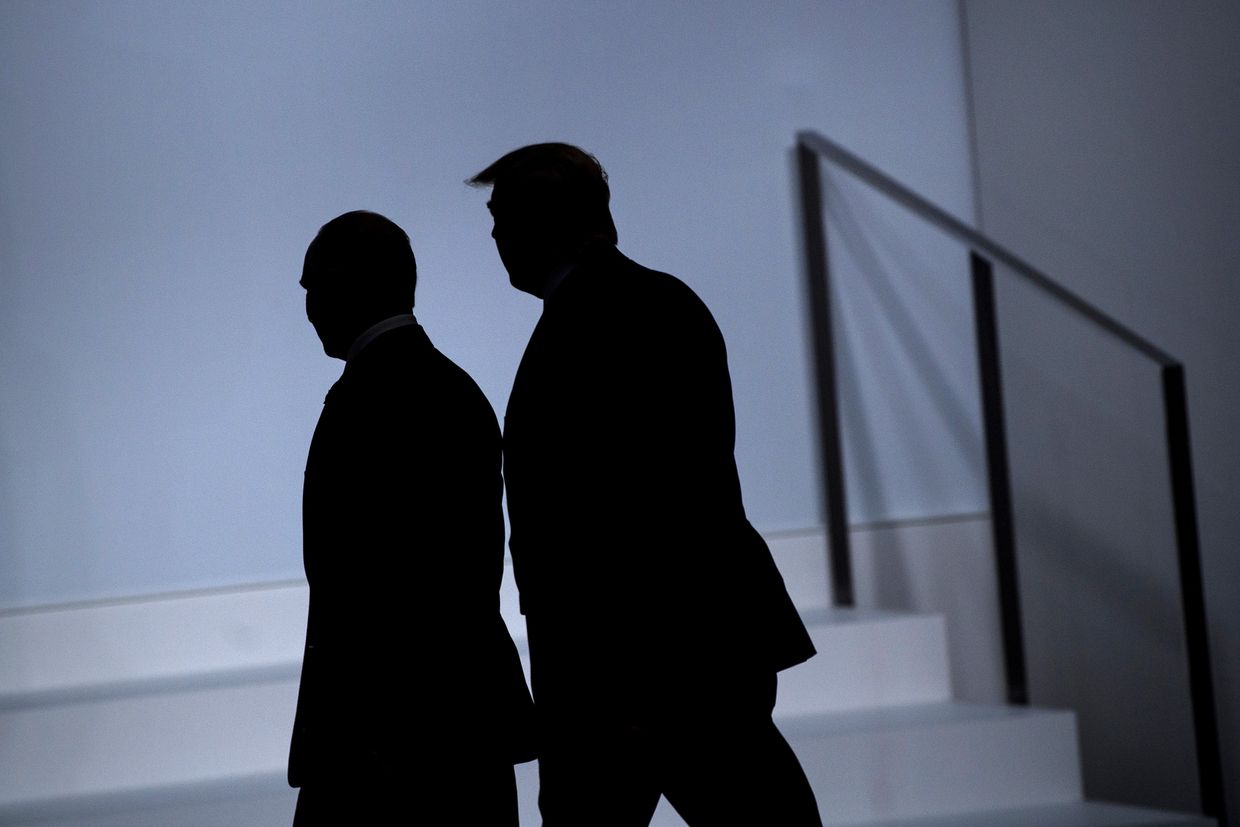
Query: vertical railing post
{"x":838,"y":551}
{"x":1192,"y":592}
{"x":1002,"y":525}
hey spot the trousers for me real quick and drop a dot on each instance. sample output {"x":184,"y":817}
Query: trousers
{"x":723,"y":762}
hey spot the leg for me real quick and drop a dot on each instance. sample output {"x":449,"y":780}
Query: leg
{"x":482,"y":795}
{"x":733,"y":766}
{"x":592,"y":765}
{"x":597,"y":775}
{"x":751,"y":778}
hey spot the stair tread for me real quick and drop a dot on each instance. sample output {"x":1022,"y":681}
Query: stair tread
{"x":909,"y":716}
{"x":1073,"y":814}
{"x":816,"y":617}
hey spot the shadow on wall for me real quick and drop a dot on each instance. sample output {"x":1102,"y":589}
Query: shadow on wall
{"x":863,"y":230}
{"x":905,"y":357}
{"x":1100,"y":591}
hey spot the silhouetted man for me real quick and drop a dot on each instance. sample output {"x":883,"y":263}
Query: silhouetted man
{"x":657,"y":619}
{"x":413,"y":707}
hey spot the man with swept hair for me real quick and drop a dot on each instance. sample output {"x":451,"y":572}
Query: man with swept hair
{"x":413,"y":707}
{"x":657,"y":619}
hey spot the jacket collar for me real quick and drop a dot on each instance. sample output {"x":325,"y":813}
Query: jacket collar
{"x":363,"y":356}
{"x":375,"y":330}
{"x":594,"y":257}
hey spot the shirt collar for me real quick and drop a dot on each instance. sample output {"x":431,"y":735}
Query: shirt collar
{"x":372,"y":332}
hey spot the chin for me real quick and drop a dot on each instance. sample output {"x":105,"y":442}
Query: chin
{"x":333,"y":351}
{"x":524,"y":283}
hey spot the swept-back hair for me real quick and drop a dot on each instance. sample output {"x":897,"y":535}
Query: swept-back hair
{"x":562,"y":177}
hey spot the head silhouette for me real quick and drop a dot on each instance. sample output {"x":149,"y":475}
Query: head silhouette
{"x":359,"y":270}
{"x":548,"y":202}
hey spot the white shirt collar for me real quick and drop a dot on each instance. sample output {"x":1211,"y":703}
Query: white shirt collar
{"x":372,"y":332}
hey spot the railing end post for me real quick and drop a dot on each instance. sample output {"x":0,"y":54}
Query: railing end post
{"x":999,"y":480}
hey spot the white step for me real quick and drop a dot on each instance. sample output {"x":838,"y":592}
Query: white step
{"x":269,"y":804}
{"x":57,"y":654}
{"x":272,"y":806}
{"x":211,"y":751}
{"x":144,"y":743}
{"x":917,"y":761}
{"x":1076,"y":814}
{"x":935,"y":759}
{"x":176,"y":710}
{"x":948,"y":765}
{"x":867,"y":659}
{"x":885,"y":763}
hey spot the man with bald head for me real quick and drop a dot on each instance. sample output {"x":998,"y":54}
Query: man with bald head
{"x":657,"y":619}
{"x":413,"y":707}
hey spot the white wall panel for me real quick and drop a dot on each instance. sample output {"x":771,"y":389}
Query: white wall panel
{"x":163,"y":166}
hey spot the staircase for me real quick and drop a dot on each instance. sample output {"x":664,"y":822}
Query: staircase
{"x":176,"y":711}
{"x":883,"y":743}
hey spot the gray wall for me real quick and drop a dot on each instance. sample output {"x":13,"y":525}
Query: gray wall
{"x":1106,"y":138}
{"x":163,"y":165}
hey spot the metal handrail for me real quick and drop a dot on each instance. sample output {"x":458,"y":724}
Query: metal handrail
{"x":962,"y":232}
{"x":984,"y":251}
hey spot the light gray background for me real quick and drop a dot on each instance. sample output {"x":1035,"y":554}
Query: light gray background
{"x":163,"y":165}
{"x":1107,"y":138}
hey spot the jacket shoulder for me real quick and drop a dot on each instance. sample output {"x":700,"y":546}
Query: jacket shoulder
{"x":643,"y":293}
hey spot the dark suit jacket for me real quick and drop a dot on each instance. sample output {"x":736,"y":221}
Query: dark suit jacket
{"x":406,"y":654}
{"x":638,"y":570}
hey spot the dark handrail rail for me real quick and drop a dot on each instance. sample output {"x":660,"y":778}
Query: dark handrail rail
{"x":984,"y":251}
{"x":954,"y":227}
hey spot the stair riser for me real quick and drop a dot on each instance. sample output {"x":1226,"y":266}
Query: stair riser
{"x":869,"y":663}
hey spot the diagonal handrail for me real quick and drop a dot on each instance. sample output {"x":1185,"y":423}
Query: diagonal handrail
{"x":956,"y":228}
{"x":811,"y":147}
